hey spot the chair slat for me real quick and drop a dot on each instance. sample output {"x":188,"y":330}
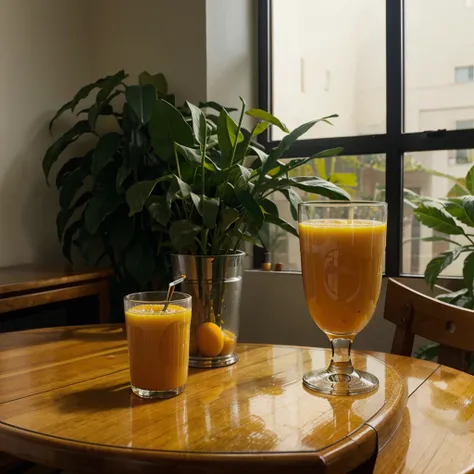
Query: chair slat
{"x":414,"y":313}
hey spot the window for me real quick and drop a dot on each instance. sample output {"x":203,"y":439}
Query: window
{"x":463,"y":156}
{"x":464,"y":74}
{"x":388,"y":73}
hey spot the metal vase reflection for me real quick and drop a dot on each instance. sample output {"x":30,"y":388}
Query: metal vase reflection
{"x":215,"y":284}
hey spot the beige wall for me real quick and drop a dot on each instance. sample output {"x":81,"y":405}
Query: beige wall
{"x":154,"y":35}
{"x":43,"y":60}
{"x":48,"y":50}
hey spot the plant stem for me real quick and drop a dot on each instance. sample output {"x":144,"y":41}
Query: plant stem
{"x":468,"y":237}
{"x":177,"y":161}
{"x":203,"y":189}
{"x":238,"y":131}
{"x":250,"y":140}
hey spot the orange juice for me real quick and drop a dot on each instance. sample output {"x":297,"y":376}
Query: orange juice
{"x":158,"y":346}
{"x":342,"y":272}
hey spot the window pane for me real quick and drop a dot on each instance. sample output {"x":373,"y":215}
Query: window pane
{"x":329,"y":58}
{"x":439,"y":64}
{"x":421,"y":180}
{"x":362,"y":176}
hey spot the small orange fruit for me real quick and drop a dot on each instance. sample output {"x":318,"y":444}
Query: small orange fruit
{"x":210,"y":339}
{"x":229,"y":342}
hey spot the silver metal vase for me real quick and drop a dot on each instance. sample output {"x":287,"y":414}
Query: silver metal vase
{"x":215,"y":284}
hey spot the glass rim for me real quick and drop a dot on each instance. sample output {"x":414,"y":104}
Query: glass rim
{"x":182,"y":297}
{"x":343,"y":203}
{"x":238,"y":253}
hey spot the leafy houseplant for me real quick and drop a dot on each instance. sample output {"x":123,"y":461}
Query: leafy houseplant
{"x":175,"y":180}
{"x":453,"y":216}
{"x":94,"y":216}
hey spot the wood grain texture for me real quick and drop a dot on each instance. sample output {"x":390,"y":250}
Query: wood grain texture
{"x":415,"y":313}
{"x":65,"y":401}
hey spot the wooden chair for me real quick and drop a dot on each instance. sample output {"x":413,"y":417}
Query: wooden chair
{"x":417,"y":314}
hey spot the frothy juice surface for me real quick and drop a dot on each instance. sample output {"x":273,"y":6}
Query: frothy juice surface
{"x":342,"y":271}
{"x":158,"y":346}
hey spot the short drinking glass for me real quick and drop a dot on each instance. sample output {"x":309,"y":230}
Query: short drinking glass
{"x":342,"y":252}
{"x":158,"y":342}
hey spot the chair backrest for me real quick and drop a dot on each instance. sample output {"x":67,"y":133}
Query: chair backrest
{"x":414,"y":313}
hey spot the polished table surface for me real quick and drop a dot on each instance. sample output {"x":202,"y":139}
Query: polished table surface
{"x":65,"y":402}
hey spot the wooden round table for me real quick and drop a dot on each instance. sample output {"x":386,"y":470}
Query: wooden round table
{"x":65,"y":402}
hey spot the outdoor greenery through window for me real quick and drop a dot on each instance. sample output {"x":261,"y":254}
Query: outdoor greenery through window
{"x":404,"y":94}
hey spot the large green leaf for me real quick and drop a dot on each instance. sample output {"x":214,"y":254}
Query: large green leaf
{"x":214,"y":105}
{"x":71,"y":231}
{"x":65,"y":214}
{"x":142,"y":100}
{"x":228,"y":216}
{"x":158,"y":81}
{"x":138,"y":193}
{"x":82,"y":94}
{"x":160,"y":209}
{"x":267,"y":117}
{"x":167,"y":126}
{"x":100,"y":108}
{"x":439,"y":263}
{"x":99,"y":207}
{"x":294,"y":200}
{"x":121,"y":230}
{"x":140,"y":261}
{"x":251,"y":206}
{"x":288,"y":140}
{"x":260,"y":128}
{"x":182,"y":187}
{"x":72,"y":183}
{"x":470,"y":180}
{"x":70,"y":165}
{"x":199,"y":123}
{"x":278,"y":221}
{"x":105,"y":149}
{"x":191,"y":155}
{"x":269,"y":207}
{"x":208,"y":209}
{"x":227,"y":136}
{"x":434,"y":215}
{"x":122,"y":174}
{"x":262,"y":156}
{"x":452,"y":297}
{"x":468,"y":273}
{"x":428,"y":351}
{"x":55,"y":150}
{"x":309,"y":184}
{"x":182,"y":235}
{"x":454,"y":206}
{"x":468,"y":206}
{"x":331,"y":152}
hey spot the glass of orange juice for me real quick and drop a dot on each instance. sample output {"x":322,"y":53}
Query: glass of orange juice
{"x":342,"y":253}
{"x":158,"y":342}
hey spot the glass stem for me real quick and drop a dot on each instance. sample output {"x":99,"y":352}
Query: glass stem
{"x":341,"y":357}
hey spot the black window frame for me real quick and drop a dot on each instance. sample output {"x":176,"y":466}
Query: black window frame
{"x":393,"y":143}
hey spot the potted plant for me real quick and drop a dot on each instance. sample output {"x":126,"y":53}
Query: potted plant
{"x":215,"y":194}
{"x":176,"y":185}
{"x":453,"y":220}
{"x":115,"y":152}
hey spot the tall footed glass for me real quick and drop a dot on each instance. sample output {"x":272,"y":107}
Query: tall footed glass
{"x":342,"y":252}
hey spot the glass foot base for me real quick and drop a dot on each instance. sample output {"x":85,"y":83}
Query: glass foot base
{"x":340,"y":384}
{"x":143,"y":393}
{"x":213,"y":362}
